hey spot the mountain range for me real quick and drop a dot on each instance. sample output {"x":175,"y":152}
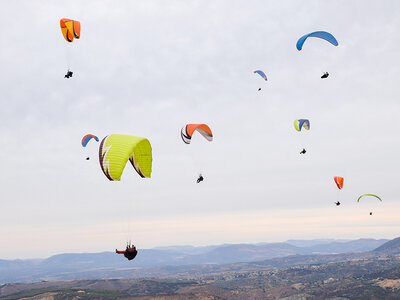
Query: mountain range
{"x":151,"y":262}
{"x":371,"y":274}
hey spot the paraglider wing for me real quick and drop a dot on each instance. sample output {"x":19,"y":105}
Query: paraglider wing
{"x":116,"y":149}
{"x":87,"y":138}
{"x":188,"y":130}
{"x":301,"y":123}
{"x":70,"y":29}
{"x":319,"y":34}
{"x":261,"y":73}
{"x":339,"y":181}
{"x":372,"y":195}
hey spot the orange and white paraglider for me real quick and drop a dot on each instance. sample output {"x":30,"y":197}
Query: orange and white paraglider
{"x":187,"y":132}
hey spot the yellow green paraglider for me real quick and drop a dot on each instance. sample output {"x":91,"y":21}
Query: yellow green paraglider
{"x":115,"y":151}
{"x":372,"y":195}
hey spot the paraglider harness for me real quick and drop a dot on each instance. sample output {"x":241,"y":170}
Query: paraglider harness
{"x":325,"y":75}
{"x":303,"y":151}
{"x":130,"y":252}
{"x":69,"y":74}
{"x":200,"y":179}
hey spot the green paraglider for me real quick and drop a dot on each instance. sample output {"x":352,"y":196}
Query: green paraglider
{"x":115,"y":151}
{"x":372,"y":195}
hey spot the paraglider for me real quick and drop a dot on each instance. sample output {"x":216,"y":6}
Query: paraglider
{"x":369,"y":195}
{"x":339,"y":181}
{"x":302,"y":123}
{"x":188,"y":130}
{"x":70,"y":29}
{"x":318,"y":34}
{"x":116,"y":149}
{"x":200,"y":179}
{"x":299,"y":124}
{"x":130,"y":252}
{"x":325,"y":75}
{"x":262,"y":74}
{"x":69,"y":74}
{"x":87,"y":138}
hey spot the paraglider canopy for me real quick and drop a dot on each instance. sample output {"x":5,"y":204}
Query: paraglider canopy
{"x":371,"y":195}
{"x":70,"y":29}
{"x":188,"y":130}
{"x":261,"y":73}
{"x":116,"y":149}
{"x":318,"y":34}
{"x":301,"y":123}
{"x":339,"y":181}
{"x":87,"y":138}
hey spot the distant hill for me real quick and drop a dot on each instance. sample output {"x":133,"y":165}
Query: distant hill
{"x":187,"y":249}
{"x":310,"y":243}
{"x":152,"y":262}
{"x":347,"y":246}
{"x":390,"y":247}
{"x":242,"y":252}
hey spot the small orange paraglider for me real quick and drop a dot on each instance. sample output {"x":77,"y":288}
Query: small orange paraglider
{"x":70,"y":29}
{"x":339,"y":181}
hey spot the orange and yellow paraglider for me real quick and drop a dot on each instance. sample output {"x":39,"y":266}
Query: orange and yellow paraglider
{"x":70,"y":29}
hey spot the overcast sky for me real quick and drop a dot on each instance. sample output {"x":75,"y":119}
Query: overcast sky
{"x":147,"y":68}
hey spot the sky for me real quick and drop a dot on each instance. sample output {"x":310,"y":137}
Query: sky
{"x":147,"y":68}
